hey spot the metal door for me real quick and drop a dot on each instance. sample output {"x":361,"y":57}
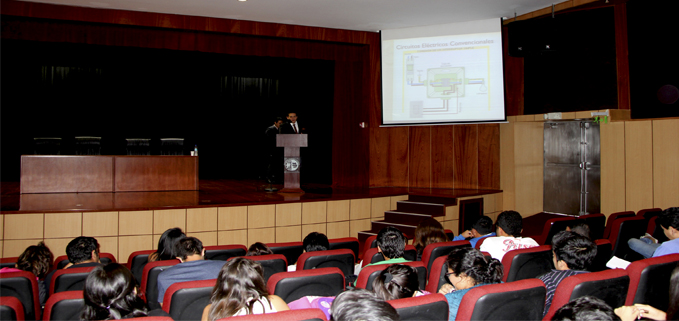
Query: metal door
{"x":571,"y":167}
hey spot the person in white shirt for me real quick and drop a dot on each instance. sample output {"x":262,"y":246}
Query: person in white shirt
{"x":509,"y":226}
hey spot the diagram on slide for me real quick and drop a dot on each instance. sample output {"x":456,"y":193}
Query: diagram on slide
{"x":445,"y":82}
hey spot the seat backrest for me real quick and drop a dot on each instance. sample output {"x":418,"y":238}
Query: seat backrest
{"x":624,"y":229}
{"x":23,"y":286}
{"x":519,"y":300}
{"x":290,"y":315}
{"x":609,"y":285}
{"x":11,"y":309}
{"x":224,"y":252}
{"x":647,"y":213}
{"x":553,"y":226}
{"x":527,"y":263}
{"x":8,"y":262}
{"x":149,"y":281}
{"x":649,"y":281}
{"x":437,"y":276}
{"x":272,"y":264}
{"x":479,"y":242}
{"x":656,"y":230}
{"x":604,"y":252}
{"x":291,"y":250}
{"x":186,"y":300}
{"x":61,"y":261}
{"x":596,"y":223}
{"x":342,"y":258}
{"x":433,"y":251}
{"x":291,"y":286}
{"x":368,"y":274}
{"x":350,"y":243}
{"x":373,"y":256}
{"x":425,"y":307}
{"x":65,"y":306}
{"x":612,"y":218}
{"x":136,"y":262}
{"x":71,"y":279}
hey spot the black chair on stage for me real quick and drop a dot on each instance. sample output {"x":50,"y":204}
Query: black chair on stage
{"x":138,"y":146}
{"x":47,"y":146}
{"x":172,"y":146}
{"x":87,"y":145}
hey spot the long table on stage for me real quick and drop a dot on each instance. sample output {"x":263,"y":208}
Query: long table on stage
{"x":83,"y":174}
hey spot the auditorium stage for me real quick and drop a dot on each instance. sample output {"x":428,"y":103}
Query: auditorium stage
{"x":211,"y":193}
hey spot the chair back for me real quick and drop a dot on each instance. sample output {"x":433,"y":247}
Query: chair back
{"x":61,"y":261}
{"x":624,"y":229}
{"x":437,"y":276}
{"x":519,"y":300}
{"x":224,"y":252}
{"x":369,"y":243}
{"x":553,"y":226}
{"x":272,"y":264}
{"x":64,"y":306}
{"x":612,"y":218}
{"x":373,"y":256}
{"x":136,"y":262}
{"x":649,"y":281}
{"x":185,"y":301}
{"x":291,"y":250}
{"x":350,"y":243}
{"x":11,"y":309}
{"x":291,"y":286}
{"x":23,"y":286}
{"x":368,"y":274}
{"x":8,"y":262}
{"x":290,"y":315}
{"x":433,"y":251}
{"x":71,"y":279}
{"x":149,"y":281}
{"x":610,"y":286}
{"x":527,"y":263}
{"x":596,"y":223}
{"x":604,"y":252}
{"x":342,"y":258}
{"x":425,"y":307}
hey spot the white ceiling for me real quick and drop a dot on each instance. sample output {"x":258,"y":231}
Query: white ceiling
{"x":365,"y":15}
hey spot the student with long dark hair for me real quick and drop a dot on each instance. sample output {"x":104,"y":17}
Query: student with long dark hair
{"x":110,"y":293}
{"x":241,"y":290}
{"x":467,"y":269}
{"x":397,"y":282}
{"x":166,"y":245}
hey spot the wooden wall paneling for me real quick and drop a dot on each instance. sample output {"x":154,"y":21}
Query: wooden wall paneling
{"x":638,"y":165}
{"x":356,"y":226}
{"x":232,"y":218}
{"x":528,"y":158}
{"x":24,"y":226}
{"x":2,"y":228}
{"x":338,"y":210}
{"x":443,"y":156}
{"x":12,"y":248}
{"x":57,"y":246}
{"x":110,"y":245}
{"x":378,"y":206}
{"x":288,"y":214}
{"x":466,"y":150}
{"x":666,"y":163}
{"x":612,"y":142}
{"x":308,"y":228}
{"x":395,"y":199}
{"x":233,"y":237}
{"x":314,"y":212}
{"x":167,"y":219}
{"x":155,"y":173}
{"x":261,"y":216}
{"x":264,"y":235}
{"x":62,"y":174}
{"x":129,"y":244}
{"x":419,"y":156}
{"x":489,"y":156}
{"x":338,"y":229}
{"x":201,"y":220}
{"x":289,"y":234}
{"x":389,"y":156}
{"x":100,"y":224}
{"x":507,"y":173}
{"x":207,"y":238}
{"x":359,"y":209}
{"x":135,"y":223}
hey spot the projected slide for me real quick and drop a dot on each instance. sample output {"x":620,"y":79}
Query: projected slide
{"x":443,"y":79}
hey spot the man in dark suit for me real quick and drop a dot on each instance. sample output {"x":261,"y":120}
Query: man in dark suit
{"x":274,"y":170}
{"x":292,"y":127}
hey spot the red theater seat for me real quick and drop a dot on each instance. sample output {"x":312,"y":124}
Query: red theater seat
{"x":437,"y":276}
{"x":8,"y":262}
{"x":64,"y":306}
{"x":343,"y":259}
{"x":426,"y":307}
{"x":11,"y":309}
{"x":136,"y":262}
{"x":72,"y":279}
{"x":291,"y":286}
{"x":291,"y":250}
{"x":272,"y":264}
{"x":527,"y":263}
{"x":185,"y":301}
{"x":373,"y":256}
{"x":612,"y":218}
{"x":61,"y":261}
{"x":519,"y":300}
{"x":624,"y":229}
{"x":649,"y":281}
{"x":368,"y":274}
{"x":23,"y":286}
{"x":596,"y":223}
{"x":149,"y":281}
{"x":553,"y":226}
{"x":433,"y":251}
{"x":224,"y":252}
{"x":350,"y":243}
{"x":290,"y":315}
{"x":604,"y":252}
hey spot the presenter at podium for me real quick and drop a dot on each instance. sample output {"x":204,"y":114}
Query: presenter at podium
{"x":274,"y":169}
{"x":292,"y":127}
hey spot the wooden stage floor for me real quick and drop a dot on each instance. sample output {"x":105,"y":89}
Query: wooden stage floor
{"x":212,"y":193}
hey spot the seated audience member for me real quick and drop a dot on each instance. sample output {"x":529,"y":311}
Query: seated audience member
{"x":82,"y":251}
{"x":429,"y":231}
{"x":257,"y":249}
{"x":392,"y":244}
{"x":639,"y":311}
{"x":585,"y":308}
{"x":315,"y":242}
{"x":509,"y":227}
{"x":361,"y":305}
{"x":110,"y":293}
{"x":397,"y":282}
{"x":166,"y":245}
{"x":241,"y":290}
{"x":193,"y":266}
{"x":669,"y":221}
{"x":581,"y":228}
{"x":467,"y":269}
{"x":483,"y":227}
{"x":572,"y":254}
{"x":36,"y":259}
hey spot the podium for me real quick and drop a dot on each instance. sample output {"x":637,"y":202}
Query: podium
{"x":291,"y":160}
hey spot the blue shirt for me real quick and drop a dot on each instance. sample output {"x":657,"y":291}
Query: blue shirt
{"x":474,"y":240}
{"x":188,"y":271}
{"x":454,"y":299}
{"x":667,"y":247}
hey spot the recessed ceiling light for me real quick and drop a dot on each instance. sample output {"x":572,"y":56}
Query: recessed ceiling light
{"x":242,"y":0}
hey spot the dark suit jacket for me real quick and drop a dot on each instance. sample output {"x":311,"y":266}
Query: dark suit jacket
{"x":287,"y":129}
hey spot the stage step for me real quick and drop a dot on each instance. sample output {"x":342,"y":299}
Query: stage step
{"x":432,"y":209}
{"x":407,"y":229}
{"x":447,"y":201}
{"x":405,"y":218}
